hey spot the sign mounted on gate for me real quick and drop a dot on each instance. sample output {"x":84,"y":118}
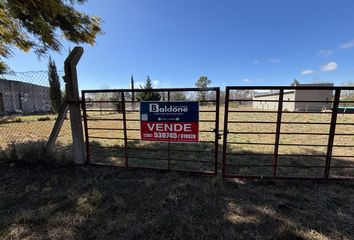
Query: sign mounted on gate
{"x":169,"y":121}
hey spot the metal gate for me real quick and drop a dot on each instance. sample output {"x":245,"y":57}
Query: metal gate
{"x":111,"y":121}
{"x":300,"y":132}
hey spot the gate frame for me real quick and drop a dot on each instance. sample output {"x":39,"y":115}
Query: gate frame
{"x":331,"y":134}
{"x":215,"y":90}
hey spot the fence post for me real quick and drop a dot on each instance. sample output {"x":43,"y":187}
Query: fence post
{"x":126,"y":158}
{"x":87,"y":138}
{"x":226,"y":119}
{"x":73,"y":99}
{"x":216,"y":147}
{"x":169,"y":143}
{"x":57,"y":126}
{"x":332,"y":132}
{"x":277,"y":132}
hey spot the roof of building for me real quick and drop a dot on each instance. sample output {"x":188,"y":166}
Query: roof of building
{"x":8,"y":81}
{"x":272,"y":94}
{"x":293,"y":91}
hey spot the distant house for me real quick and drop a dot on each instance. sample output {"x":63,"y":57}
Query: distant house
{"x":295,"y":97}
{"x":21,"y":97}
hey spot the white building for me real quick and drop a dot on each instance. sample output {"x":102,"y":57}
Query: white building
{"x":292,"y":99}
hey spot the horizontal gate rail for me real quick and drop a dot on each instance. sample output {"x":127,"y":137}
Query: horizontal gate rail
{"x":112,"y":126}
{"x":269,"y":132}
{"x":265,"y":137}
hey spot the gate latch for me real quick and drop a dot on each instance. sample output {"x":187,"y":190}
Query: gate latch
{"x":220,"y":133}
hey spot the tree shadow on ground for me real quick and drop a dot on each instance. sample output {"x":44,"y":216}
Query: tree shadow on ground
{"x":183,"y":156}
{"x":310,"y":164}
{"x":111,"y":203}
{"x":200,"y":157}
{"x":115,"y":203}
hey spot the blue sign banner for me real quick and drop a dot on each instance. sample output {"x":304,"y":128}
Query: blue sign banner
{"x":179,"y":111}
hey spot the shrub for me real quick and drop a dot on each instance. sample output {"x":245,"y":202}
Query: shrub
{"x":18,"y":120}
{"x":32,"y":154}
{"x":46,"y":118}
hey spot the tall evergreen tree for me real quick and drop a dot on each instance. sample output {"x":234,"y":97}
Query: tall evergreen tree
{"x":148,"y":95}
{"x":55,"y":93}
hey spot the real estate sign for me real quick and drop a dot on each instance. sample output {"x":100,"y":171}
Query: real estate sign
{"x":169,"y":121}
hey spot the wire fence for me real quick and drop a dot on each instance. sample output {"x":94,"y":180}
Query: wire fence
{"x":264,"y":137}
{"x":26,"y":108}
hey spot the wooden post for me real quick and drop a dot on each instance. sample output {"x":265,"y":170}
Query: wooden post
{"x":57,"y":126}
{"x":73,"y":99}
{"x":72,"y":102}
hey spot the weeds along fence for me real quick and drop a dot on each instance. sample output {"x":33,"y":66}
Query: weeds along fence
{"x":26,"y":108}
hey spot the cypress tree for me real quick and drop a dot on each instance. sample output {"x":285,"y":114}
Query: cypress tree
{"x":55,"y":93}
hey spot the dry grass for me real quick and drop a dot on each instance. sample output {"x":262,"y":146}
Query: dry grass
{"x":37,"y":130}
{"x":110,"y":203}
{"x":107,"y":203}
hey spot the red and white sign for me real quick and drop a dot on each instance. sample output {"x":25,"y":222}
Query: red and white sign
{"x":174,"y":125}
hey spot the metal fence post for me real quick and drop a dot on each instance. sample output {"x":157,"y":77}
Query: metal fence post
{"x":332,"y":132}
{"x":226,"y":119}
{"x":217,"y":109}
{"x":125,"y":131}
{"x":84,"y":114}
{"x":169,"y":144}
{"x":277,"y":132}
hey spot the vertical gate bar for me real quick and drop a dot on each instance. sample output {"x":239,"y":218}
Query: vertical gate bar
{"x":133,"y":92}
{"x":277,"y":132}
{"x":125,"y":131}
{"x":217,"y":92}
{"x":332,"y":132}
{"x":226,"y":119}
{"x":169,"y":144}
{"x":84,"y":113}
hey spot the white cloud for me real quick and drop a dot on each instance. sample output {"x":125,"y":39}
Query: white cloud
{"x":273,"y":60}
{"x":325,"y":53}
{"x":256,"y":61}
{"x":246,"y":80}
{"x":331,"y":66}
{"x":347,"y":45}
{"x":307,"y":72}
{"x":155,"y":83}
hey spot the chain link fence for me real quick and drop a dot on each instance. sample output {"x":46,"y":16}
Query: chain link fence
{"x":27,"y":111}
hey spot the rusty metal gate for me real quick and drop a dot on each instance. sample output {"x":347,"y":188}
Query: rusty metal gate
{"x":299,"y":132}
{"x":111,"y":121}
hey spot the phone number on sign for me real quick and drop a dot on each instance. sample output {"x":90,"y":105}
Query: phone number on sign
{"x":160,"y":135}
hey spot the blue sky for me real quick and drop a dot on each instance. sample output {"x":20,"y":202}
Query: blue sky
{"x":248,"y":42}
